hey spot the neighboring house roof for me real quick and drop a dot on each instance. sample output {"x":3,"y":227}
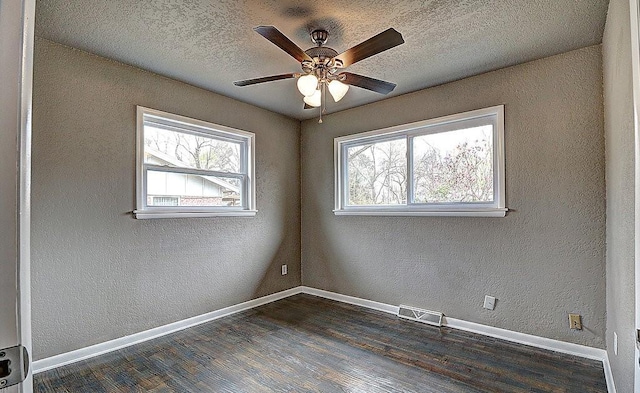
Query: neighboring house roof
{"x":174,"y":162}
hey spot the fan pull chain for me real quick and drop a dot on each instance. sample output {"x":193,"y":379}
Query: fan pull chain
{"x":324,"y":97}
{"x":324,"y":101}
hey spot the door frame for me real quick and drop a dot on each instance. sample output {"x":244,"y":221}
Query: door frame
{"x":24,"y":191}
{"x":634,"y":13}
{"x":20,"y":23}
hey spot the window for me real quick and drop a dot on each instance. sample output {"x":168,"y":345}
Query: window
{"x":165,"y":201}
{"x":449,"y":166}
{"x":190,"y":168}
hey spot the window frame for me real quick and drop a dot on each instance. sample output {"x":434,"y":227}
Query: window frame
{"x":496,"y":208}
{"x":192,"y":126}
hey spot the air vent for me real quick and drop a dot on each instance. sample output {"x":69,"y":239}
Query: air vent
{"x":416,"y":314}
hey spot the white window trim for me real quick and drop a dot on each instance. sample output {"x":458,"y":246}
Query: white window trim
{"x":145,"y":212}
{"x":494,"y":209}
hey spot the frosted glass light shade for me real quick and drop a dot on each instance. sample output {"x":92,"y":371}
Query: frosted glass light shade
{"x":337,"y":90}
{"x":314,"y":100}
{"x":307,"y":85}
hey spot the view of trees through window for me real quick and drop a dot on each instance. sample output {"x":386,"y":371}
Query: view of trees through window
{"x":454,"y":166}
{"x":194,"y":151}
{"x":378,"y":173}
{"x":448,"y":167}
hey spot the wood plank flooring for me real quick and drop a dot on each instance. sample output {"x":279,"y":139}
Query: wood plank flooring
{"x":308,"y":344}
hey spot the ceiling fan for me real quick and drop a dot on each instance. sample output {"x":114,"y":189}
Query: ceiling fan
{"x":321,"y":65}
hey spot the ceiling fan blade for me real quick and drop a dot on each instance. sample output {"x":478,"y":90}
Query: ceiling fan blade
{"x":374,"y":45}
{"x":248,"y":82}
{"x":280,"y":40}
{"x":367,"y":83}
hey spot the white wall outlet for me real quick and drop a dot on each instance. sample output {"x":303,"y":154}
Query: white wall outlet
{"x":489,"y":302}
{"x":284,"y":270}
{"x":615,"y":343}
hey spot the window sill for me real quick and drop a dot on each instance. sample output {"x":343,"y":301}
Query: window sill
{"x":489,"y":212}
{"x":147,"y":214}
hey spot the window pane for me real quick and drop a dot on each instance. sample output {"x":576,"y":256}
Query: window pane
{"x":181,"y":189}
{"x":378,"y":173}
{"x":454,"y":166}
{"x":177,"y":149}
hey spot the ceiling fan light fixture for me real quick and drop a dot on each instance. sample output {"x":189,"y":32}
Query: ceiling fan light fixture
{"x":337,"y":89}
{"x":320,"y":65}
{"x":307,"y":85}
{"x":315,"y":100}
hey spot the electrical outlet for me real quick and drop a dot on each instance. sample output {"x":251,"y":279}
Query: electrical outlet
{"x":575,"y":322}
{"x":489,"y":302}
{"x":615,"y":343}
{"x":284,"y":270}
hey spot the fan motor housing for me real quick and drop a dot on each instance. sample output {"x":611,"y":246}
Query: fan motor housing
{"x":322,"y":52}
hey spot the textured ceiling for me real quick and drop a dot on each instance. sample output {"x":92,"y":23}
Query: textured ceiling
{"x":211,"y":43}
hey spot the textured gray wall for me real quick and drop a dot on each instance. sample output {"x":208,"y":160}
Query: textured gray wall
{"x":618,"y":116}
{"x":99,"y":274}
{"x":542,"y":261}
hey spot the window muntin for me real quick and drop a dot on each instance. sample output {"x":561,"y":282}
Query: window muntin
{"x":447,"y":166}
{"x":190,"y":168}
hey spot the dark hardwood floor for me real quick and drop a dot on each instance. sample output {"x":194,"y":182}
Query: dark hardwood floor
{"x":309,"y":344}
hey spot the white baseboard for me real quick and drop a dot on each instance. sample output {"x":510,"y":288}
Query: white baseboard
{"x":122,"y":342}
{"x":504,"y":334}
{"x":527,"y":339}
{"x":350,"y":300}
{"x":608,"y":375}
{"x":539,"y":342}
